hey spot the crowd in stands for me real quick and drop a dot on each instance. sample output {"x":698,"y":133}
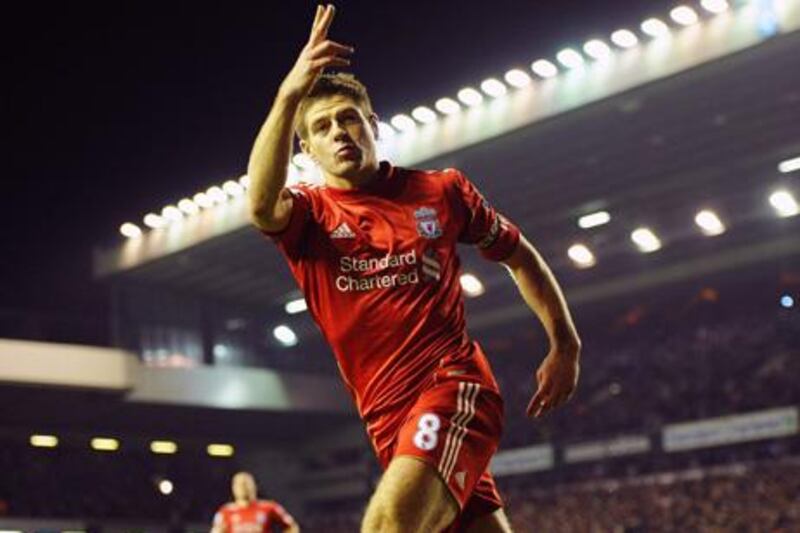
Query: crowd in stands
{"x":742,"y":497}
{"x":701,"y":361}
{"x":698,"y":363}
{"x":746,"y":498}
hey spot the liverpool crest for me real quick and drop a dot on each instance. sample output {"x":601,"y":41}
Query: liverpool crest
{"x":427,"y":223}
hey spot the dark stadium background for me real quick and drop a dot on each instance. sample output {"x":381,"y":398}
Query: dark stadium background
{"x":111,"y":110}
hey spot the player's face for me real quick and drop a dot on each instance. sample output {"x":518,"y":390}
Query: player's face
{"x":243,"y":487}
{"x":341,"y":139}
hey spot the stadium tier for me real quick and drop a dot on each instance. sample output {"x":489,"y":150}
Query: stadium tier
{"x":659,"y":183}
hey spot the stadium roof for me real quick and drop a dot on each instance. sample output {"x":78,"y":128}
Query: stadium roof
{"x":694,"y":120}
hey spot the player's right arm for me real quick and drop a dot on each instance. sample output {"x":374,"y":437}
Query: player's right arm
{"x":219,"y":523}
{"x":270,"y":203}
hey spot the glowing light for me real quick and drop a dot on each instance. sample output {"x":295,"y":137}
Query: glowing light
{"x":130,"y":230}
{"x":597,"y":49}
{"x":790,"y":165}
{"x":570,"y":58}
{"x":471,"y":285}
{"x":594,"y":219}
{"x":470,"y":96}
{"x":220,"y":450}
{"x":303,"y":161}
{"x":172,"y":213}
{"x":424,"y":114}
{"x":447,"y":106}
{"x":709,"y":223}
{"x":153,"y":221}
{"x":645,"y":240}
{"x":44,"y":441}
{"x":494,"y":87}
{"x":188,"y":207}
{"x":285,"y":335}
{"x":544,"y":68}
{"x":787,"y":301}
{"x":684,"y":15}
{"x":715,"y":6}
{"x":165,"y":487}
{"x":103,"y":444}
{"x":624,"y":38}
{"x":581,"y":256}
{"x":203,"y":200}
{"x":216,"y":195}
{"x":784,"y":203}
{"x":517,"y":78}
{"x":403,"y":122}
{"x":232,"y":189}
{"x":655,"y":28}
{"x":385,"y":130}
{"x":296,"y":306}
{"x":165,"y":447}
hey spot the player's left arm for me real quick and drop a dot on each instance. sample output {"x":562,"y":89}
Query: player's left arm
{"x":557,"y":375}
{"x":499,"y":239}
{"x":286,"y":521}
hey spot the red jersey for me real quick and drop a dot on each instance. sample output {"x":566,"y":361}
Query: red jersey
{"x":258,"y":516}
{"x":380,"y":273}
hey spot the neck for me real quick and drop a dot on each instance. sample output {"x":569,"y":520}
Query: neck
{"x":363,"y":177}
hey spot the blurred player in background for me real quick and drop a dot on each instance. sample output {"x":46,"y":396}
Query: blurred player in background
{"x":248,"y":514}
{"x":374,"y":251}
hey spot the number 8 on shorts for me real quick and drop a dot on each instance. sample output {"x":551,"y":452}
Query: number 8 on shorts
{"x":426,"y":438}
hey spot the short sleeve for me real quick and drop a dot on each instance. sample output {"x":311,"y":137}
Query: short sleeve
{"x":280,"y":515}
{"x":495,"y":235}
{"x":291,"y":238}
{"x":219,"y":521}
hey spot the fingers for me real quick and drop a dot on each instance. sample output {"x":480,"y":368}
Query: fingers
{"x":547,"y":398}
{"x":541,"y":400}
{"x":549,"y":395}
{"x":533,"y":405}
{"x":326,"y":20}
{"x":322,"y":22}
{"x":317,"y":16}
{"x":329,"y":48}
{"x":329,"y":61}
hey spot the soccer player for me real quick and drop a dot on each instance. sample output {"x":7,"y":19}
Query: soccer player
{"x":248,"y":514}
{"x":374,"y":252}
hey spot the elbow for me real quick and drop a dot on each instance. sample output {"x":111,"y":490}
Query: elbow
{"x":262,"y":216}
{"x":522,"y":256}
{"x":262,"y":207}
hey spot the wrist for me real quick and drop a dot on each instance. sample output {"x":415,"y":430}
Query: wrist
{"x":288,"y":97}
{"x":566,"y":346}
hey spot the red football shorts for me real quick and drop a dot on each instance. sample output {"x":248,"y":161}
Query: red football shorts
{"x":455,"y":427}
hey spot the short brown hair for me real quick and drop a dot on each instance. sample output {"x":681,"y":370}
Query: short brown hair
{"x":330,"y":84}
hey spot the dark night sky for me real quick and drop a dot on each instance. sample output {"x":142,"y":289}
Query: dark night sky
{"x":112,"y":109}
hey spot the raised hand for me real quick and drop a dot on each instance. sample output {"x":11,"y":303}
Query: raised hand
{"x":318,"y":53}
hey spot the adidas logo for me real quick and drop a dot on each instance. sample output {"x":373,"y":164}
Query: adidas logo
{"x":343,"y":231}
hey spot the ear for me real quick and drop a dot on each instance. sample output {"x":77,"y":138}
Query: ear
{"x":373,"y":122}
{"x":306,"y":148}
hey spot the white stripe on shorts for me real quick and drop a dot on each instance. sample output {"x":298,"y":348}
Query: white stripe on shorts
{"x":467,"y":394}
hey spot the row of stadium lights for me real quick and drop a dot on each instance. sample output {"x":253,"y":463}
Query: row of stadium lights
{"x":644,"y":238}
{"x":108,"y":444}
{"x":569,"y":58}
{"x":646,"y":241}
